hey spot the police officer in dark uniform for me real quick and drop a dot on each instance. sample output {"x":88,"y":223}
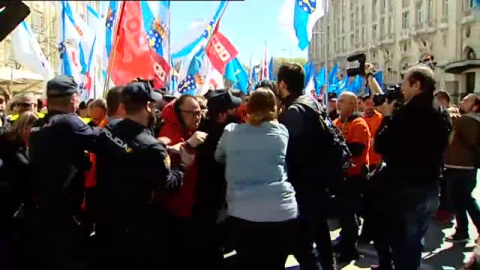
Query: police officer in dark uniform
{"x":57,"y":148}
{"x":131,"y":165}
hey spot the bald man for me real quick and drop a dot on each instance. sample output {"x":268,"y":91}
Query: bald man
{"x":461,"y":164}
{"x":357,"y":134}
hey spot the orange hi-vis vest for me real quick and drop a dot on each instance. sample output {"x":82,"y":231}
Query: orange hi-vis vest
{"x":373,"y":123}
{"x":91,"y":175}
{"x":356,"y":131}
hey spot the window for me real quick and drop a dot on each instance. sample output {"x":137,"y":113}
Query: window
{"x":374,"y":33}
{"x":356,"y":37}
{"x":344,"y":44}
{"x":420,"y":16}
{"x":383,"y":7}
{"x":382,"y":28}
{"x":374,"y":10}
{"x":363,"y":15}
{"x":352,"y":20}
{"x":445,"y":8}
{"x":390,"y":6}
{"x":352,"y":39}
{"x":405,"y":3}
{"x":357,"y":16}
{"x":430,"y":11}
{"x":405,"y":20}
{"x":363,"y":36}
{"x":37,"y":20}
{"x":343,"y":24}
{"x":467,"y":4}
{"x":390,"y":24}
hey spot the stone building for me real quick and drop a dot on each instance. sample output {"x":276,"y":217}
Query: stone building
{"x":44,"y":21}
{"x":395,"y":34}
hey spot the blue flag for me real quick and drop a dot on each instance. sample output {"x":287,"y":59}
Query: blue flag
{"x":235,"y":72}
{"x":320,"y":81}
{"x":333,"y":74}
{"x":379,"y":78}
{"x":190,"y":83}
{"x":156,"y":15}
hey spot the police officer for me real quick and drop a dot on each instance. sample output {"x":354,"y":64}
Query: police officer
{"x":131,"y":165}
{"x":57,"y":156}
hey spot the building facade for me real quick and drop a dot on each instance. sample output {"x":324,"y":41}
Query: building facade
{"x":396,"y":34}
{"x":44,"y":20}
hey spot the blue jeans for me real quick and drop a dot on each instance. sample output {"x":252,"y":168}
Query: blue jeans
{"x":403,"y":219}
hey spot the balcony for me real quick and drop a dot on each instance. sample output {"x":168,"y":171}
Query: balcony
{"x":404,"y":34}
{"x":431,"y":26}
{"x":470,"y":15}
{"x":420,"y":28}
{"x":443,"y":23}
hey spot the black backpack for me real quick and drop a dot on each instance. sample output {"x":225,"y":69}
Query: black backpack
{"x":335,"y":159}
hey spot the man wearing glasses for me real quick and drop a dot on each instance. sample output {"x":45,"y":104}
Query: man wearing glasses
{"x":181,"y":118}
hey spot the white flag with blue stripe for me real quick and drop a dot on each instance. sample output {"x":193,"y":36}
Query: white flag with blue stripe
{"x":27,"y":51}
{"x":298,"y":17}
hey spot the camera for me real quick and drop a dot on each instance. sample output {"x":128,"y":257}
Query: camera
{"x":360,"y":70}
{"x":391,"y":93}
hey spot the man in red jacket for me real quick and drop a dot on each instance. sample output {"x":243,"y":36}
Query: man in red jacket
{"x":181,"y":121}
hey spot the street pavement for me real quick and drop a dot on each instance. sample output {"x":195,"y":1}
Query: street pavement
{"x":438,"y":254}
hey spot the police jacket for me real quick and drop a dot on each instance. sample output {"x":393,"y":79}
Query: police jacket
{"x":58,"y":161}
{"x":131,"y":165}
{"x":412,"y":143}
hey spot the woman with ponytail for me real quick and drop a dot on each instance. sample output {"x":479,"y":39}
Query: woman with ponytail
{"x":261,"y":202}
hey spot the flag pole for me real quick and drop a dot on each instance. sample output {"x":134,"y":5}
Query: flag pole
{"x":325,"y":94}
{"x":112,"y":57}
{"x":214,"y":27}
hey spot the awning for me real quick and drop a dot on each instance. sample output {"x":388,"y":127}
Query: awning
{"x":17,"y":80}
{"x":461,"y":66}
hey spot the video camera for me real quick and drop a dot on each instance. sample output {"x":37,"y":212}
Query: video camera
{"x":391,"y":93}
{"x":360,"y":70}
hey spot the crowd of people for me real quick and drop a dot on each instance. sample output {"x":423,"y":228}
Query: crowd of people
{"x":146,"y":180}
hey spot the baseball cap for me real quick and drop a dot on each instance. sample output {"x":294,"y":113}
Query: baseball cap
{"x":61,"y":85}
{"x":27,"y":99}
{"x":222,"y":100}
{"x":141,"y":92}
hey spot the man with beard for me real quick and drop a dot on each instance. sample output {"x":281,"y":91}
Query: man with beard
{"x":462,"y":162}
{"x":304,"y":156}
{"x":210,"y":206}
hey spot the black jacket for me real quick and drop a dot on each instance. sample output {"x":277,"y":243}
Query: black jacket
{"x":412,"y":143}
{"x":58,"y":161}
{"x":14,"y":177}
{"x":131,"y":165}
{"x":211,"y":185}
{"x":305,"y":144}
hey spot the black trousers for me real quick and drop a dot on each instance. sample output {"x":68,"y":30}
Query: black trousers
{"x":460,"y":184}
{"x":351,"y":202}
{"x":266,"y":245}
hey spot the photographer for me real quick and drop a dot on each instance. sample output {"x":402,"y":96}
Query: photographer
{"x":412,"y":139}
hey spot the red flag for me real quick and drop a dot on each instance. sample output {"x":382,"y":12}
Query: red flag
{"x":133,"y":57}
{"x":220,"y":51}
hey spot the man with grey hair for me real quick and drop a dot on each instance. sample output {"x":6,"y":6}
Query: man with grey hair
{"x":412,"y":139}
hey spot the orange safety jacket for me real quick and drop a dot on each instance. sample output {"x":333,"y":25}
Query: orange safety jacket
{"x":373,"y":123}
{"x":356,"y":131}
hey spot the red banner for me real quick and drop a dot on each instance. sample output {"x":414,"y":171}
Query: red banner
{"x":133,"y":57}
{"x":220,"y":51}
